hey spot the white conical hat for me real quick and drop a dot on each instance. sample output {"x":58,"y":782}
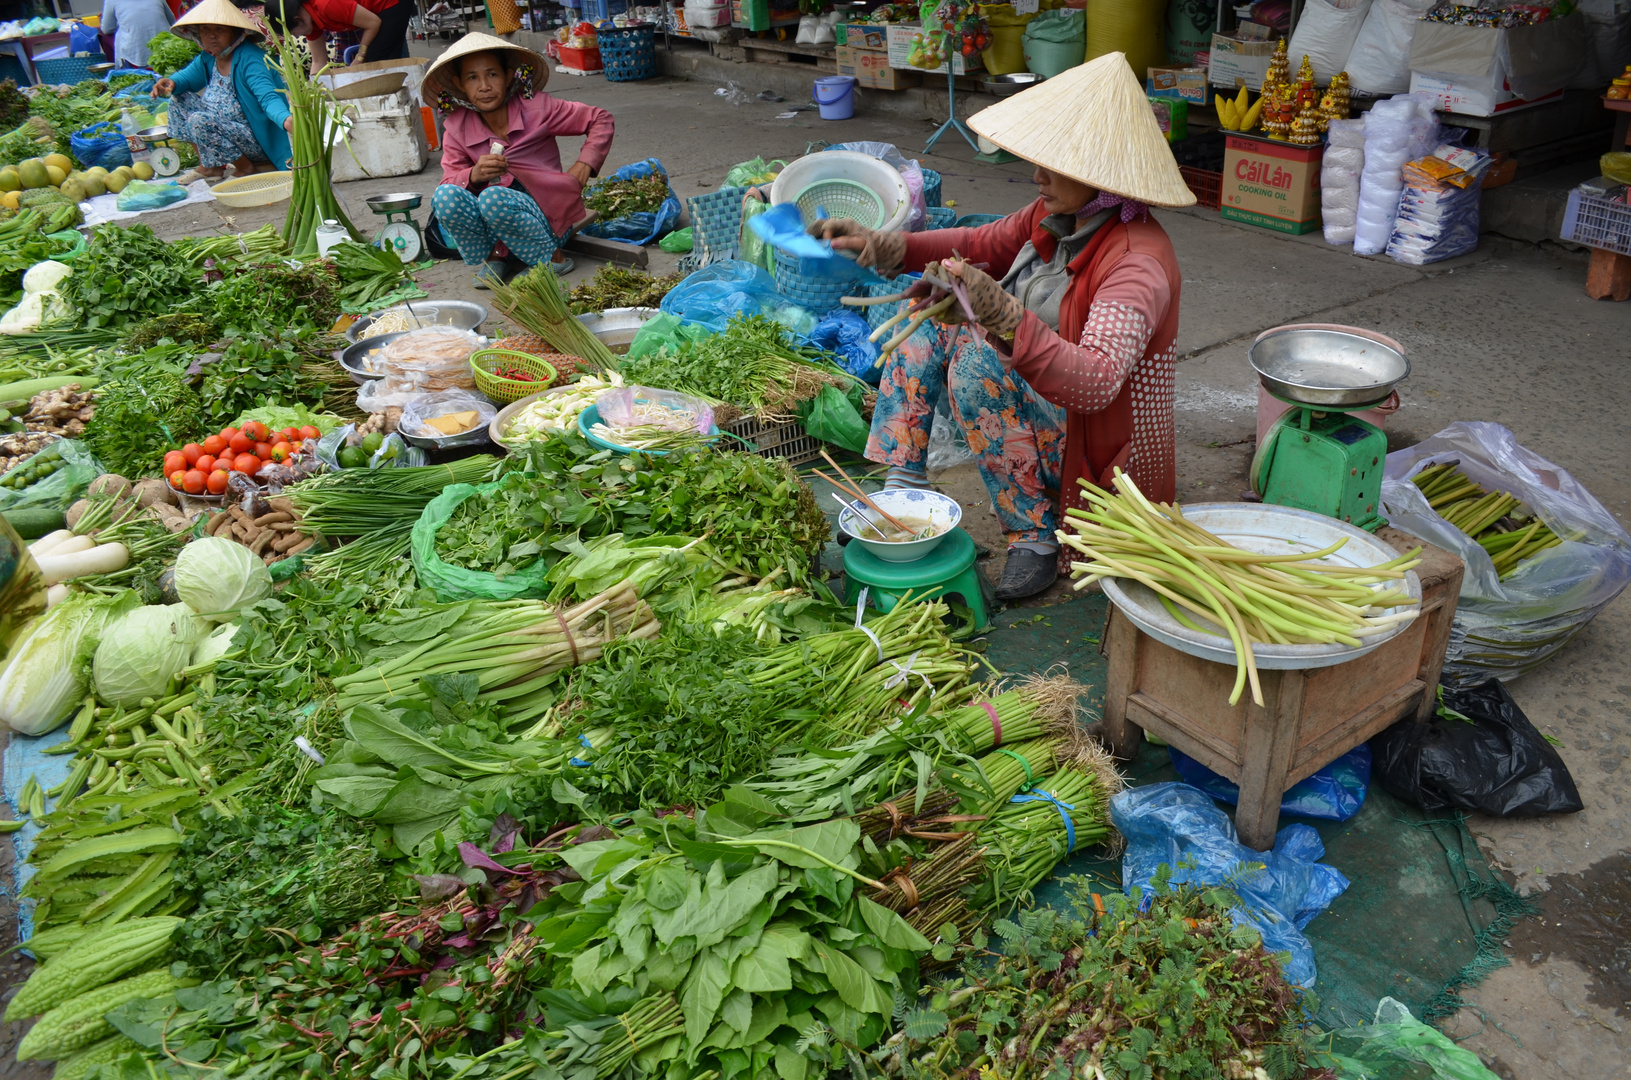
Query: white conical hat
{"x":444,"y":73}
{"x":1094,"y":124}
{"x":215,"y":13}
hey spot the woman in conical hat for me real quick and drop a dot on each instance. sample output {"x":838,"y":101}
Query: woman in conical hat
{"x":503,"y":191}
{"x":1077,"y":309}
{"x":229,"y":102}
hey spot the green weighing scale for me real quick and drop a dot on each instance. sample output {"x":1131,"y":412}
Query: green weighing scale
{"x":1317,"y":456}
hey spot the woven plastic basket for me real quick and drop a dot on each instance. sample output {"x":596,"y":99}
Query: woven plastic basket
{"x":817,"y":295}
{"x":940,"y":217}
{"x":974,"y":221}
{"x":257,"y":189}
{"x":716,"y":223}
{"x":841,"y":199}
{"x":483,"y":362}
{"x":628,"y":53}
{"x":67,"y":71}
{"x":878,"y":314}
{"x":931,"y":187}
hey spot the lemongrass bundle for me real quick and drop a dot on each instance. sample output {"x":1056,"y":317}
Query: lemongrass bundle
{"x":311,"y":142}
{"x":1291,"y":599}
{"x":537,"y":303}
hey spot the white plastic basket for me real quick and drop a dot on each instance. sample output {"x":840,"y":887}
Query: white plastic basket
{"x":880,"y":176}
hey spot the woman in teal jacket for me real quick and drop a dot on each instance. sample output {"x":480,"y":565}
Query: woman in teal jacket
{"x":229,"y":102}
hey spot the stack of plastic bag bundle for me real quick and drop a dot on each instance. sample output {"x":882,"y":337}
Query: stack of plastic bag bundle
{"x":1438,"y":212}
{"x":1397,"y":130}
{"x":1339,"y":180}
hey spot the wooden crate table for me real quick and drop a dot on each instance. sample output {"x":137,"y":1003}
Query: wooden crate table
{"x":1308,"y":719}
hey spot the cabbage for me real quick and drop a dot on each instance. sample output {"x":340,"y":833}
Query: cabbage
{"x":49,"y":671}
{"x":215,"y":646}
{"x":218,"y":578}
{"x":143,"y":650}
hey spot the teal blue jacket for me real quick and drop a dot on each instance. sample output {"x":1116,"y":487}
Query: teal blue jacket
{"x":260,"y":93}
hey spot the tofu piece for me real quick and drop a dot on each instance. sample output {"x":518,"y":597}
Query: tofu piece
{"x":453,"y":423}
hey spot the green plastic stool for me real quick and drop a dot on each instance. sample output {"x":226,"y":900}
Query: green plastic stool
{"x":949,"y":568}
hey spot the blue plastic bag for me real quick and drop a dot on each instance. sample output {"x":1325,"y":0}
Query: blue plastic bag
{"x":719,"y":290}
{"x":82,"y":39}
{"x":1281,"y":890}
{"x":782,"y":226}
{"x":640,"y":229}
{"x":100,"y":144}
{"x":1335,"y":793}
{"x":844,"y":333}
{"x":140,"y":195}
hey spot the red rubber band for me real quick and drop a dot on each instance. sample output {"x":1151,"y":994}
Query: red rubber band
{"x":996,"y":724}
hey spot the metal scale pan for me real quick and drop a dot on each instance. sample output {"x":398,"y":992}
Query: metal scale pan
{"x":1341,"y":368}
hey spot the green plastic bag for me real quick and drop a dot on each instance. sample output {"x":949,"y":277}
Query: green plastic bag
{"x":677,"y":242}
{"x":1397,"y":1044}
{"x":833,"y":417}
{"x":665,"y":332}
{"x":452,"y":583}
{"x":749,"y":246}
{"x":753,"y":173}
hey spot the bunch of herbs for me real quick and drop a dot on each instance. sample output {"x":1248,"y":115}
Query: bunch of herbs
{"x":144,"y":406}
{"x":367,"y":274}
{"x":616,"y":287}
{"x":271,"y":297}
{"x":127,"y":274}
{"x":613,"y":199}
{"x":253,"y":371}
{"x":497,"y":531}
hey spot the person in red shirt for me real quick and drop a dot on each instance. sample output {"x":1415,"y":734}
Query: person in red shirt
{"x":1066,"y":372}
{"x":384,"y":26}
{"x":503,"y":191}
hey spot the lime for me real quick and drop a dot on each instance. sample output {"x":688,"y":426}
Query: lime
{"x":372,"y":442}
{"x":353,"y":457}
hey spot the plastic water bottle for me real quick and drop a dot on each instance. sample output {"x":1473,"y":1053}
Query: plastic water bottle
{"x":128,"y":128}
{"x":330,"y":233}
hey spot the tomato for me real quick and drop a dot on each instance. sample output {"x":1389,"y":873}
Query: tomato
{"x":217,"y":482}
{"x":262,"y":450}
{"x":256,"y":430}
{"x":214,"y":445}
{"x":289,"y":434}
{"x":192,"y":482}
{"x":205,"y":464}
{"x":240,"y":443}
{"x":177,"y":479}
{"x":227,"y":433}
{"x":175,"y":461}
{"x":246,"y":463}
{"x":281,"y":452}
{"x":309,"y":432}
{"x":192,"y":452}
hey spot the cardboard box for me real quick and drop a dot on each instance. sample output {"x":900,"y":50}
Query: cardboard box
{"x":1235,"y":63}
{"x":1187,"y":84}
{"x":870,"y":68}
{"x":1475,"y":97}
{"x":900,"y":47}
{"x":874,"y":36}
{"x":1271,"y":184}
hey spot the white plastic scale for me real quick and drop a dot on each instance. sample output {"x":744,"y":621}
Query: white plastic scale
{"x":399,"y":233}
{"x":165,"y":158}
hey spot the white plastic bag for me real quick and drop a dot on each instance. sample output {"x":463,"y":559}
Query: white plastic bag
{"x":1379,"y":62}
{"x":815,"y":30}
{"x":1326,"y":32}
{"x":706,"y":13}
{"x":1506,"y":628}
{"x":429,"y":406}
{"x":1397,"y":130}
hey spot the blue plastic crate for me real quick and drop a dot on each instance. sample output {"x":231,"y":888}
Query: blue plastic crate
{"x":931,"y":187}
{"x":816,"y":295}
{"x":12,"y":68}
{"x":940,"y":217}
{"x":1597,"y":221}
{"x":629,"y":53}
{"x":601,"y":10}
{"x":67,"y":71}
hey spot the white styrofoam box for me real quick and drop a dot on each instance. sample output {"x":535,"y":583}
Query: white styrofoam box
{"x":380,"y":145}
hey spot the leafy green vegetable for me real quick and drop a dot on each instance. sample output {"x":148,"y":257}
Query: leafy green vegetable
{"x":615,"y":287}
{"x":127,"y":274}
{"x":255,"y":371}
{"x":269,"y":298}
{"x":367,"y":273}
{"x":141,"y":650}
{"x":168,"y":54}
{"x":13,"y":105}
{"x":144,"y":407}
{"x":46,"y":674}
{"x":278,"y":417}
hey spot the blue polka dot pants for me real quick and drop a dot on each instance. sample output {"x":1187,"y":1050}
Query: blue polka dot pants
{"x":476,"y":224}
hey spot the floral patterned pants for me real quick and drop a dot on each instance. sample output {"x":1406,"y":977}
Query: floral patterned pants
{"x":1017,"y":437}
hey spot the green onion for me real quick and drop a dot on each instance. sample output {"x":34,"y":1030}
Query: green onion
{"x":312,"y":151}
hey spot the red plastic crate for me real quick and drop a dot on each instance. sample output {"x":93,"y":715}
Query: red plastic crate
{"x":581,"y":59}
{"x":1206,"y":184}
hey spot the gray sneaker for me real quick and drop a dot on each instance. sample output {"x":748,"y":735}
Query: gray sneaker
{"x":1027,"y":573}
{"x":492,"y":270}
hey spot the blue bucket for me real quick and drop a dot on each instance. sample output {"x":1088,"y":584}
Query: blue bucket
{"x":836,"y":96}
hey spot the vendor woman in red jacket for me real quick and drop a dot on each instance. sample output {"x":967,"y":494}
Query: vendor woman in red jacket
{"x":1078,"y":312}
{"x":383,"y":24}
{"x":503,"y":190}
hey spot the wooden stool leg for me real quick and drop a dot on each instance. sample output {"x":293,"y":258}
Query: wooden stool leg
{"x":1609,"y":276}
{"x":1121,"y":643}
{"x":1270,"y":741}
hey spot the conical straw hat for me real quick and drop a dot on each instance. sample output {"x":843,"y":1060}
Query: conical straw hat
{"x":444,"y":73}
{"x":1094,"y":124}
{"x":215,"y":13}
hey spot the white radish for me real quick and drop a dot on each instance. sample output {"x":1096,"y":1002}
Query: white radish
{"x":101,"y":559}
{"x":69,"y":546}
{"x":50,"y":540}
{"x":55,"y":595}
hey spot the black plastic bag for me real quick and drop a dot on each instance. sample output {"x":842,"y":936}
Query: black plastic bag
{"x":1498,"y":763}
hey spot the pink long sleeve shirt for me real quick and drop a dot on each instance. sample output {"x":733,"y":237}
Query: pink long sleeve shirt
{"x":531,"y":150}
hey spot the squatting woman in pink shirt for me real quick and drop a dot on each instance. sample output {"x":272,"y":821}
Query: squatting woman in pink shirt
{"x":503,"y":191}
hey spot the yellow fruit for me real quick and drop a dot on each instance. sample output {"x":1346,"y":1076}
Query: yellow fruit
{"x":56,"y":175}
{"x":33,"y":174}
{"x":1241,"y":102}
{"x":11,"y":200}
{"x":74,"y":190}
{"x":94,"y":185}
{"x":61,"y":161}
{"x":9,"y":180}
{"x":96,"y":170}
{"x":1249,"y":121}
{"x":143,"y":170}
{"x":116,"y":181}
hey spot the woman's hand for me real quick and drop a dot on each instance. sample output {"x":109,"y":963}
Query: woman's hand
{"x":884,"y":251}
{"x":581,"y":173}
{"x":993,"y":307}
{"x":288,"y":124}
{"x":489,"y":167}
{"x":163,"y":88}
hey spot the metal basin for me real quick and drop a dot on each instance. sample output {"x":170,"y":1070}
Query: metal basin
{"x":400,"y":200}
{"x":616,"y":327}
{"x":461,"y":313}
{"x":154,"y":134}
{"x":1005,"y":85}
{"x":1342,"y":367}
{"x":352,"y":358}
